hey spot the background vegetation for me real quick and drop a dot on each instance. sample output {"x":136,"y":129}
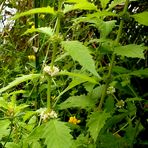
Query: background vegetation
{"x":73,"y":74}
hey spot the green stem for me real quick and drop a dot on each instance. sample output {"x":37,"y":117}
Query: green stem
{"x":57,"y":30}
{"x":48,"y":92}
{"x":108,"y":79}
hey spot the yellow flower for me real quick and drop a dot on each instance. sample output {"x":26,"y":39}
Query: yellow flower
{"x":31,"y":57}
{"x":74,"y":120}
{"x":33,"y":27}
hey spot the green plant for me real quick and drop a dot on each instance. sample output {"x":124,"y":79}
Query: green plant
{"x":90,"y":86}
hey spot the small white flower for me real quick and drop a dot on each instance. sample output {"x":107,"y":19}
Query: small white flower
{"x":51,"y":72}
{"x":45,"y":115}
{"x":120,"y":104}
{"x":53,"y":114}
{"x":110,"y":90}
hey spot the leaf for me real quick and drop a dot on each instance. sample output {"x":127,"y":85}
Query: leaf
{"x":104,"y":3}
{"x":72,"y":84}
{"x":46,"y":30}
{"x":131,"y":50}
{"x":81,"y":76}
{"x":19,"y":80}
{"x":83,"y":102}
{"x":115,"y":3}
{"x":80,"y":53}
{"x":140,"y":72}
{"x":48,"y":10}
{"x":81,"y":5}
{"x":141,"y":18}
{"x":12,"y":145}
{"x":96,"y":122}
{"x":4,"y":124}
{"x":57,"y":135}
{"x":106,"y":28}
{"x":133,"y":99}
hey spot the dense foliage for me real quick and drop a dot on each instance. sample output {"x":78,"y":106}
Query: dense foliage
{"x":73,"y":74}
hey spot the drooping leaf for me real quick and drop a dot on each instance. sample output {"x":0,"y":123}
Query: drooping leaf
{"x":96,"y":122}
{"x":83,"y":101}
{"x":57,"y":135}
{"x":104,"y":27}
{"x":80,"y":53}
{"x":115,"y":3}
{"x":140,"y":72}
{"x":4,"y":124}
{"x":133,"y":99}
{"x":46,"y":30}
{"x":81,"y":76}
{"x":80,"y":5}
{"x":71,"y":85}
{"x":131,"y":50}
{"x":102,"y":13}
{"x":12,"y":145}
{"x":48,"y":10}
{"x":104,"y":3}
{"x":19,"y":80}
{"x":141,"y":18}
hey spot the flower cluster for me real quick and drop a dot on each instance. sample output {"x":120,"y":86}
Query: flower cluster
{"x":74,"y":120}
{"x":120,"y":104}
{"x":51,"y":71}
{"x":110,"y":90}
{"x":31,"y":57}
{"x":47,"y":115}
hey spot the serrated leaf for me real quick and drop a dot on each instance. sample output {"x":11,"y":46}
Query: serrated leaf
{"x":133,"y":99}
{"x":48,"y":10}
{"x":72,"y":84}
{"x":83,"y":102}
{"x":81,"y":5}
{"x":96,"y":122}
{"x":81,"y":76}
{"x":12,"y":145}
{"x":115,"y":3}
{"x":80,"y":53}
{"x":19,"y":80}
{"x":46,"y":30}
{"x":4,"y":124}
{"x":141,"y":18}
{"x":131,"y":50}
{"x":104,"y":3}
{"x":102,"y":13}
{"x":140,"y":72}
{"x":57,"y":135}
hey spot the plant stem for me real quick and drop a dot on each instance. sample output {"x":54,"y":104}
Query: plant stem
{"x":108,"y":79}
{"x":48,"y":92}
{"x":57,"y":30}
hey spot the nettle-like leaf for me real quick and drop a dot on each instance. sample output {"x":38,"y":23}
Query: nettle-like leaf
{"x":80,"y":53}
{"x":115,"y":3}
{"x":48,"y":10}
{"x":83,"y":101}
{"x":141,"y":18}
{"x":79,"y":4}
{"x":4,"y":124}
{"x":104,"y":27}
{"x":140,"y":72}
{"x":19,"y":80}
{"x":57,"y":135}
{"x":96,"y":122}
{"x":46,"y":30}
{"x":104,"y":3}
{"x":131,"y":50}
{"x":102,"y":13}
{"x":78,"y":75}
